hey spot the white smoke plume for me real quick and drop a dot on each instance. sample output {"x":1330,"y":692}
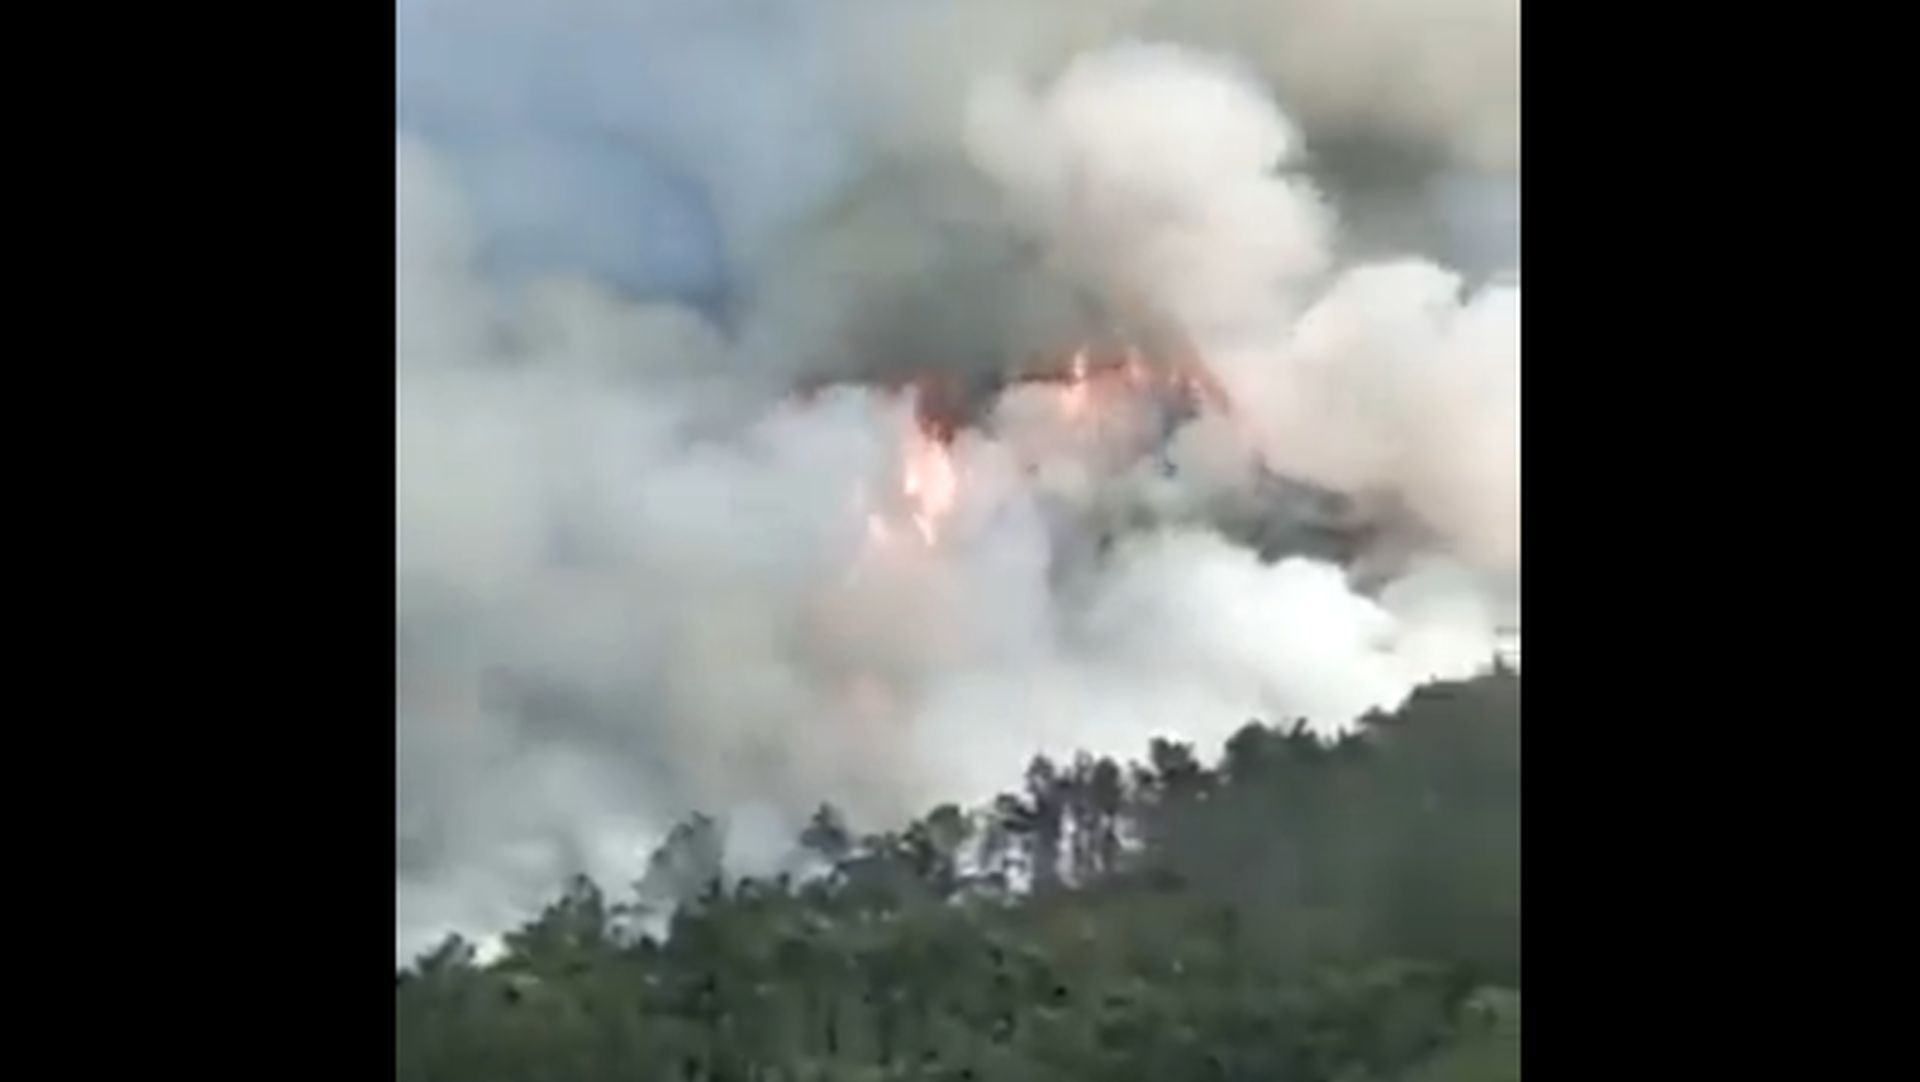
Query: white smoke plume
{"x":672,"y":536}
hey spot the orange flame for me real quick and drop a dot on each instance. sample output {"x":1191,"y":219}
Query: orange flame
{"x":1095,"y":388}
{"x":930,"y":484}
{"x":929,"y":489}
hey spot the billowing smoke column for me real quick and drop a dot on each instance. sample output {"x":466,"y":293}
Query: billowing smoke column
{"x":1045,"y":414}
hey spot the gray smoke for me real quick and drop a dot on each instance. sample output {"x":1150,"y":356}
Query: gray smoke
{"x":640,"y":572}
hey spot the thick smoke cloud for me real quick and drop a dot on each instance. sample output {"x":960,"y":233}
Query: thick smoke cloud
{"x":667,"y":144}
{"x":663,"y":526}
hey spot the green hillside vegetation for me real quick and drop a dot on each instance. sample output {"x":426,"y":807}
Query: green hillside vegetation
{"x":1303,"y":910}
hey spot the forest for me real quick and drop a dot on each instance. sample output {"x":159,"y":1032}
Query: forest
{"x":1299,"y":909}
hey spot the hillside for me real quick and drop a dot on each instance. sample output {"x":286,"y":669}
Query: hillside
{"x":1303,"y":909}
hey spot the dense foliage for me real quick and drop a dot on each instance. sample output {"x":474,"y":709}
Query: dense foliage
{"x":1305,"y":910}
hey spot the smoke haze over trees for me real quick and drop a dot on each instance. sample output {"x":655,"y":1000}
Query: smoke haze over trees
{"x":1302,"y":908}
